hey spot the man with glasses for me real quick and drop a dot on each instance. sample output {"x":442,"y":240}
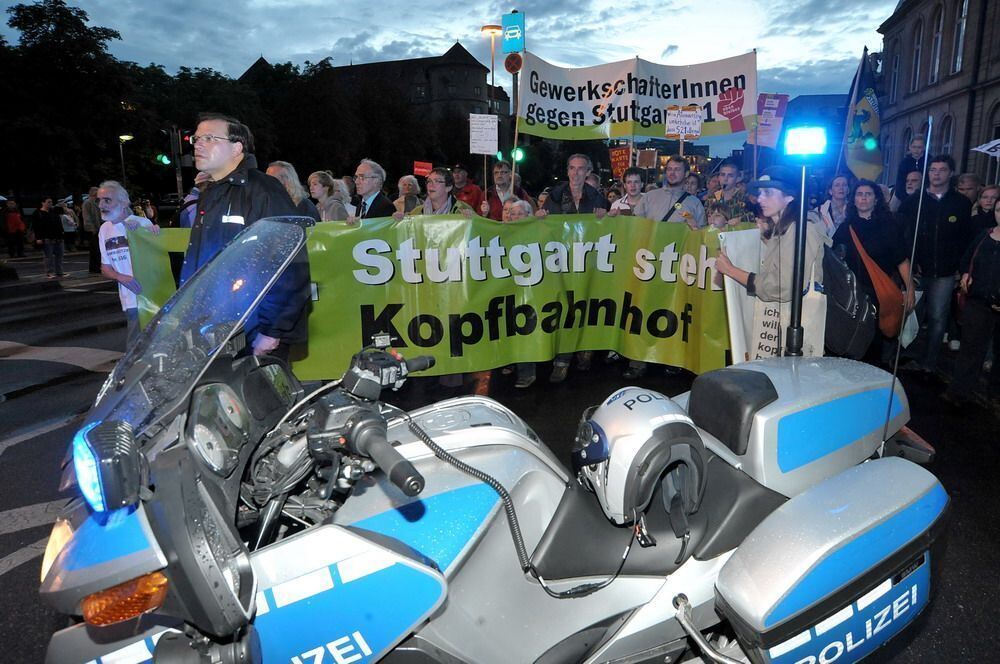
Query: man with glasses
{"x":370,"y":202}
{"x":238,"y":195}
{"x":502,"y":190}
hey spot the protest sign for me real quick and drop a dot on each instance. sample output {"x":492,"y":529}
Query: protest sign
{"x":630,"y":97}
{"x":770,"y":116}
{"x":483,"y":131}
{"x":756,"y":328}
{"x":683,"y":122}
{"x":478,"y":294}
{"x":620,"y":158}
{"x":646,"y":158}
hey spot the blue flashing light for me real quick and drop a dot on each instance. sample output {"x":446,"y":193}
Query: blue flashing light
{"x":87,"y":474}
{"x":805,"y":141}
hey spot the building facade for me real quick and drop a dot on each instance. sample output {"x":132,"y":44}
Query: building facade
{"x":941,"y":59}
{"x":445,"y":86}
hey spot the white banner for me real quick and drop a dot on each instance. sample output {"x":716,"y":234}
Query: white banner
{"x":757,"y":329}
{"x":992,"y":148}
{"x":631,"y":97}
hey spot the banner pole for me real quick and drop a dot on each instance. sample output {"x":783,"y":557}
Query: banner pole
{"x":756,"y":144}
{"x":517,"y":112}
{"x":850,"y":111}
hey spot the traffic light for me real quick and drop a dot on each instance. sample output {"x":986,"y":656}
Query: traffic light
{"x":516,"y":155}
{"x":161,"y":158}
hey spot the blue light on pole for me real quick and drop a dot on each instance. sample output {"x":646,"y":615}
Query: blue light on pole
{"x":805,"y":141}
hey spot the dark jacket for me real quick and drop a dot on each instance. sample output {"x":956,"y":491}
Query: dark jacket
{"x":243,"y":197}
{"x":308,"y":209}
{"x":908,"y":165}
{"x":381,"y":207}
{"x":983,"y":221}
{"x":985,"y":269}
{"x":47,"y":225}
{"x":880,"y":239}
{"x":944,"y":233}
{"x":560,"y":200}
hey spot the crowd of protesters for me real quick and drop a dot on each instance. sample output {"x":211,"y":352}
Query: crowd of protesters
{"x":951,"y":282}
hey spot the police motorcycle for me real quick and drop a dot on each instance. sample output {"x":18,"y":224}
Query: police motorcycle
{"x":228,"y":516}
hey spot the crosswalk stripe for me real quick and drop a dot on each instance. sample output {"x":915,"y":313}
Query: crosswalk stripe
{"x":21,"y":556}
{"x":37,"y":431}
{"x":30,"y":516}
{"x":91,"y":359}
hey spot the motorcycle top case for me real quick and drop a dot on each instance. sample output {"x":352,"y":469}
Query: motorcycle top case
{"x":838,"y":570}
{"x":790,"y":423}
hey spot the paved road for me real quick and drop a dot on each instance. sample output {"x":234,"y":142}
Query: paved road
{"x":43,"y":387}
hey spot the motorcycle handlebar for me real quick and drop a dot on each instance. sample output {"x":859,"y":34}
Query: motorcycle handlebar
{"x":373,"y":443}
{"x":420,"y":363}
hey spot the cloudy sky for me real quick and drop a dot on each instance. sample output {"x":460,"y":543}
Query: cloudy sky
{"x":803,"y":47}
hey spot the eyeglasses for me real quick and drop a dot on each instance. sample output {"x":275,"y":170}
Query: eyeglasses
{"x":436,"y":180}
{"x":359,"y":176}
{"x":209,"y":139}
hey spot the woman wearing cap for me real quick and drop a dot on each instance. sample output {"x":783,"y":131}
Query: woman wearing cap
{"x":777,"y":195}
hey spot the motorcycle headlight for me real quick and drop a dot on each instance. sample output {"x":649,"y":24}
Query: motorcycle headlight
{"x":218,"y":426}
{"x":106,"y":461}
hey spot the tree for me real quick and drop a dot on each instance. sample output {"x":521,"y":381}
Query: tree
{"x":70,"y":87}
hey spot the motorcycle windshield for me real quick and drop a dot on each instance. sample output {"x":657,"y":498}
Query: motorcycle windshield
{"x":188,"y":332}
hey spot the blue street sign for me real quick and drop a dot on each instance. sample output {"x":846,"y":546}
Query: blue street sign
{"x":513,"y":32}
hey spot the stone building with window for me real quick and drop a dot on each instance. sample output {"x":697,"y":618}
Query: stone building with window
{"x":451,"y":85}
{"x":941,"y":59}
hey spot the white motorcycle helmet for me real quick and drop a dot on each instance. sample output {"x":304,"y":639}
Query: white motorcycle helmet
{"x":623,"y":447}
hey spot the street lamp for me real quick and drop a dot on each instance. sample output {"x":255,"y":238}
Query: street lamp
{"x":121,"y":153}
{"x":801,"y":142}
{"x":492,"y":30}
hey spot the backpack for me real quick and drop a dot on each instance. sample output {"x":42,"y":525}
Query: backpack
{"x":851,"y":319}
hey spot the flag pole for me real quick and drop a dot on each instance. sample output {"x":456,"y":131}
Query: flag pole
{"x":850,"y":110}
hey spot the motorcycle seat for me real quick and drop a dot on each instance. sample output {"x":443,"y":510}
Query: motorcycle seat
{"x":723,"y":402}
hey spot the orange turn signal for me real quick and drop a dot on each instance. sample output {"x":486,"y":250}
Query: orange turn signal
{"x":126,"y":600}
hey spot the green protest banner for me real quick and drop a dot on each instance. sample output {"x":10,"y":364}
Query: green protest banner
{"x":151,"y":266}
{"x":479,"y":294}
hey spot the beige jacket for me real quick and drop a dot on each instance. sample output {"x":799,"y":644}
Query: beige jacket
{"x":773,"y":282}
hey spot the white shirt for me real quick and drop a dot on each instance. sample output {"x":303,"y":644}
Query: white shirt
{"x":115,"y":252}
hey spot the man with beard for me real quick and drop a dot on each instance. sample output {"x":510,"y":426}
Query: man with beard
{"x":670,"y":202}
{"x":116,"y":259}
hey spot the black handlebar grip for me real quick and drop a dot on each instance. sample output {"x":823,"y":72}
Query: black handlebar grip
{"x":420,"y":363}
{"x":373,"y":444}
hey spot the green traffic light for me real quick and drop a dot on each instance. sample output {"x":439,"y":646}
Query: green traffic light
{"x":163,"y":159}
{"x":517,"y":154}
{"x":870,"y":143}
